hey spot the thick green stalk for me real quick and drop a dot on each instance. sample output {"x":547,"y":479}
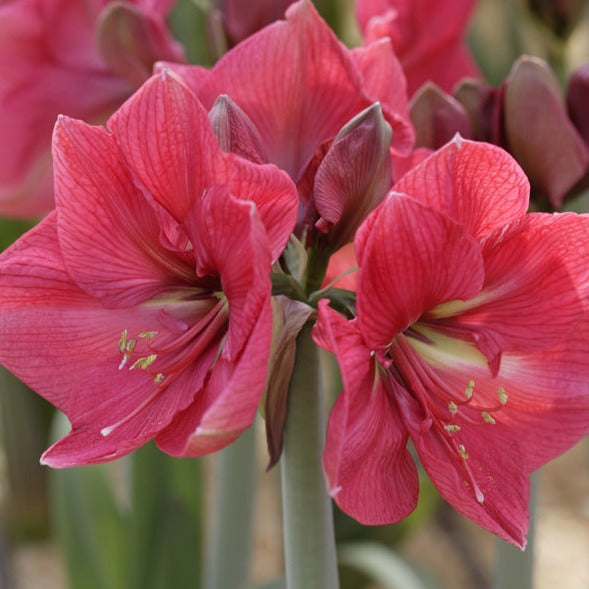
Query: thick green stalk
{"x":514,"y":569}
{"x":309,"y":541}
{"x":227,"y":558}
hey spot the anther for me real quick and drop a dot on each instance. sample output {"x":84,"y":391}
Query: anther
{"x":144,"y":362}
{"x":123,"y":341}
{"x":487,"y":417}
{"x":469,"y":389}
{"x":462,"y":452}
{"x":502,"y":395}
{"x":452,"y":428}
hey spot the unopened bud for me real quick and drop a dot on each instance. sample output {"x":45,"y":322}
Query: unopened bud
{"x":578,"y":100}
{"x":538,"y":131}
{"x":437,"y":117}
{"x":235,"y":131}
{"x":354,"y":176}
{"x":131,"y":40}
{"x":482,"y":105}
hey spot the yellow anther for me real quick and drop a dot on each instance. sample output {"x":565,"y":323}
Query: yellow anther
{"x":452,"y":407}
{"x":123,"y":341}
{"x":452,"y":428}
{"x":147,"y":334}
{"x":502,"y":395}
{"x":487,"y":417}
{"x":130,"y":347}
{"x":158,"y":378}
{"x":144,"y":362}
{"x":469,"y":389}
{"x":462,"y":451}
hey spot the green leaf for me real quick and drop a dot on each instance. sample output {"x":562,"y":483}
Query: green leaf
{"x":189,"y":23}
{"x":89,"y":525}
{"x":166,"y":520}
{"x":381,"y":565}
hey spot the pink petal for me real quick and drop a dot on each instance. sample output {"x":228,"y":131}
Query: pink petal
{"x":411,"y":258}
{"x":546,"y":406}
{"x":477,"y":184}
{"x":166,"y":138}
{"x":225,"y":232}
{"x":488,"y":483}
{"x":530,"y":299}
{"x":227,"y":404}
{"x":96,"y":196}
{"x":183,"y":158}
{"x":384,"y":81}
{"x":370,"y":473}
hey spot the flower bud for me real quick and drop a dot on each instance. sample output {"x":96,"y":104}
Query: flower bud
{"x":437,"y":117}
{"x":235,"y":131}
{"x":131,"y":40}
{"x":578,"y":100}
{"x":354,"y":176}
{"x":242,"y":19}
{"x":538,"y":131}
{"x":482,"y":105}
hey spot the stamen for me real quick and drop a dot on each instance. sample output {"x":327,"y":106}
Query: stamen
{"x":502,"y":395}
{"x":487,"y":417}
{"x":469,"y":389}
{"x":147,"y":334}
{"x":452,"y":407}
{"x":462,"y":451}
{"x":144,"y":362}
{"x":123,"y":341}
{"x":450,"y":427}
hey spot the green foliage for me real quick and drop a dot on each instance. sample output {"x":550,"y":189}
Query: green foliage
{"x":132,"y":524}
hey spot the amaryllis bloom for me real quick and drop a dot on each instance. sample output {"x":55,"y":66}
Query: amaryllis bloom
{"x":141,"y":307}
{"x":470,"y":340}
{"x":426,"y":35}
{"x":284,"y":94}
{"x":66,"y":57}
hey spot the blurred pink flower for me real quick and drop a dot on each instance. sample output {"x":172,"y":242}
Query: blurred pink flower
{"x":427,"y":36}
{"x":51,"y":63}
{"x":130,"y":307}
{"x":471,"y":339}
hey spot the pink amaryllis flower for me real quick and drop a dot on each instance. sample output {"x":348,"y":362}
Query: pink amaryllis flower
{"x":66,"y":57}
{"x":141,"y":306}
{"x":284,"y":94}
{"x":470,"y":340}
{"x":426,"y":35}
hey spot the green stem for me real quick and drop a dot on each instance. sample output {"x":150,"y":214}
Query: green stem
{"x":309,"y":541}
{"x":227,"y":559}
{"x":514,"y":568}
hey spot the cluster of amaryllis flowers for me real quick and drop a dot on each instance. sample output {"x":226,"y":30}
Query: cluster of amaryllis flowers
{"x":142,"y":305}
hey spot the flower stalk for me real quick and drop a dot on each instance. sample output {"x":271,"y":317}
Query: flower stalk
{"x":309,"y":541}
